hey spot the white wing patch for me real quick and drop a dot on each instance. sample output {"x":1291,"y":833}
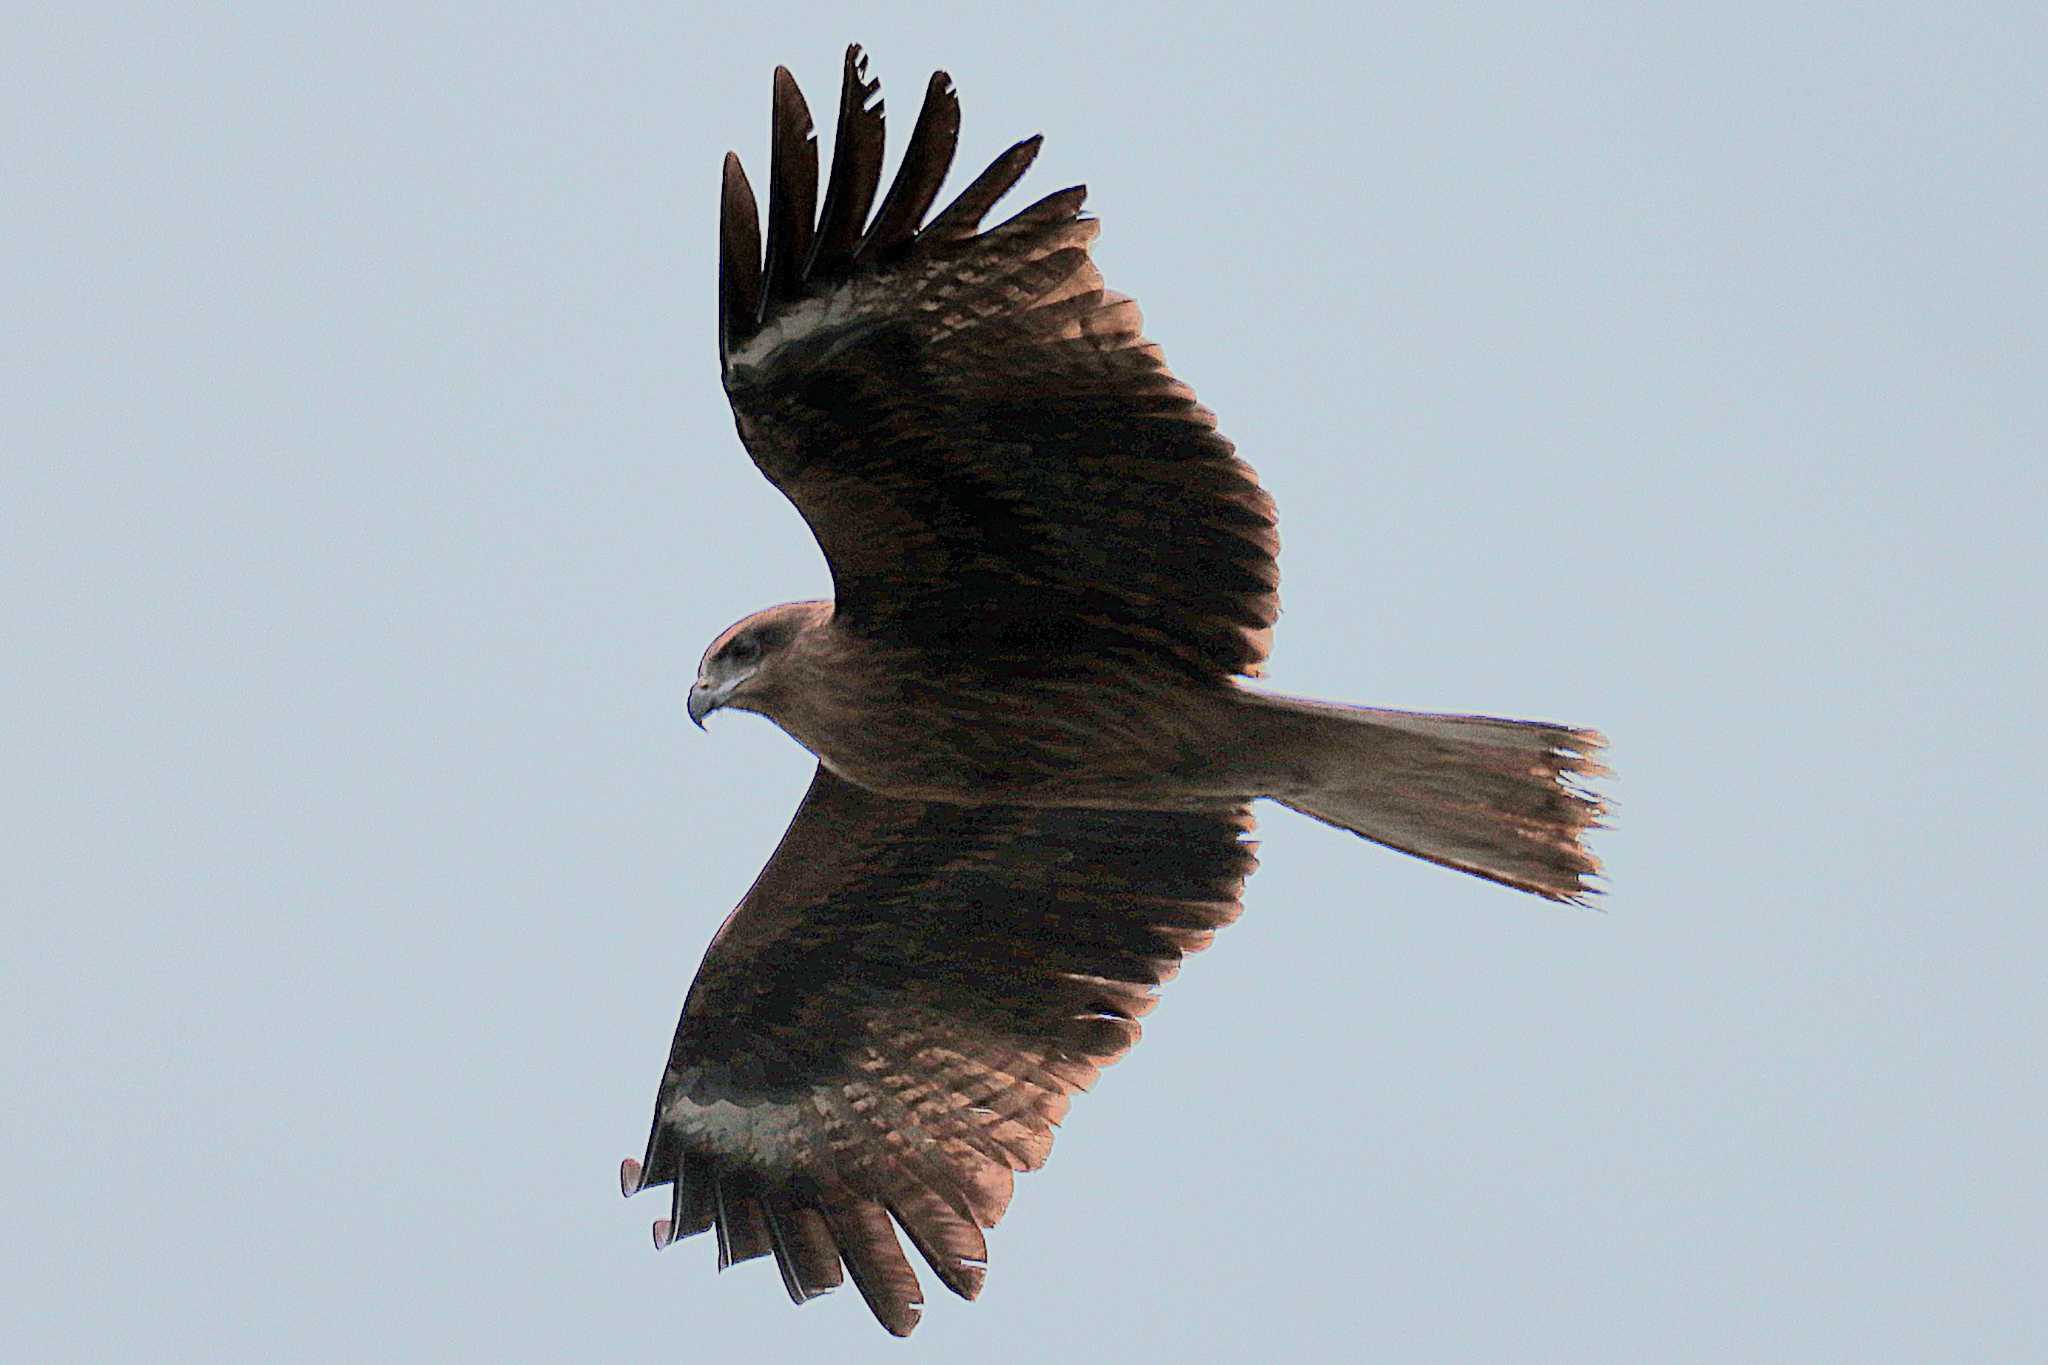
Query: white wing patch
{"x":772,"y":1135}
{"x":952,"y":294}
{"x":794,"y":322}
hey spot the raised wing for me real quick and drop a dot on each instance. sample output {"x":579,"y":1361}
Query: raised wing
{"x":988,"y":451}
{"x":896,"y":1016}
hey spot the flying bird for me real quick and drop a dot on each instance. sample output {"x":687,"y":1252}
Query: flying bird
{"x":1035,"y":757}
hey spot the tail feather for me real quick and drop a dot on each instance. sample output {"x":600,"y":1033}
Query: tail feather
{"x":1501,"y":799}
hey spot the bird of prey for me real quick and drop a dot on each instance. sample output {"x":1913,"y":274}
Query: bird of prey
{"x":1035,"y":758}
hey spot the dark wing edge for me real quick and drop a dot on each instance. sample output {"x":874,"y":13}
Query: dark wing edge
{"x":972,"y":424}
{"x":898,"y":1015}
{"x":808,"y":251}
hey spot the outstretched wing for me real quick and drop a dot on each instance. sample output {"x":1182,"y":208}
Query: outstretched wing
{"x":988,"y":451}
{"x":897,"y":1014}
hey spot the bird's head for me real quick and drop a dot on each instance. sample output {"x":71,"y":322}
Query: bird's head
{"x":740,"y":669}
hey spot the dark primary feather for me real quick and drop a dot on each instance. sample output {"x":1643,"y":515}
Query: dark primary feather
{"x":793,"y":207}
{"x":925,"y":163}
{"x":905,"y":1002}
{"x":856,"y":173}
{"x":985,"y":445}
{"x":739,"y":257}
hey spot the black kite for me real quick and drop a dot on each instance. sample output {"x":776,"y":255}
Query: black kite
{"x":1035,"y":761}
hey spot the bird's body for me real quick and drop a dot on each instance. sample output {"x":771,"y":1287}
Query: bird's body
{"x":975,"y":728}
{"x":1036,"y":752}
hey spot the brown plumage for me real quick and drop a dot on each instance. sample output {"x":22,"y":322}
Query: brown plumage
{"x":1049,"y":571}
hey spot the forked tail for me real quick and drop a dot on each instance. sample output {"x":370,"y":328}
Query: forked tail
{"x":1501,"y":799}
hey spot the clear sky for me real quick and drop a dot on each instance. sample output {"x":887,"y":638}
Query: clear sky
{"x":368,"y":496}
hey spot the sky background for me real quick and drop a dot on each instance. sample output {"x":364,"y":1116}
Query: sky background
{"x":368,"y":496}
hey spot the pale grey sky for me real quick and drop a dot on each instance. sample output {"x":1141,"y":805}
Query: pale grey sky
{"x":368,"y":497}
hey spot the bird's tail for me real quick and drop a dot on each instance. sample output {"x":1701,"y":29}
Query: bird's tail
{"x":1501,"y":799}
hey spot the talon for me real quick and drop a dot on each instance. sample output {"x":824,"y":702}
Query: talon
{"x":664,"y":1233}
{"x":632,"y":1179}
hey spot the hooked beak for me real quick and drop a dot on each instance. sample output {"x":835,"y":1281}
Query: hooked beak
{"x":703,"y":701}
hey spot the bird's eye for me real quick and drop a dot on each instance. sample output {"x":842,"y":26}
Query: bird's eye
{"x":744,"y":650}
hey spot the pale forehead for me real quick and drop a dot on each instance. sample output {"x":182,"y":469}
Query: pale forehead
{"x":724,"y":637}
{"x":770,"y":615}
{"x":734,"y":629}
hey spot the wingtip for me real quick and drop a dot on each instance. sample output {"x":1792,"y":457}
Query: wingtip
{"x":664,"y":1233}
{"x":632,"y":1177}
{"x":904,"y":1320}
{"x":790,"y":102}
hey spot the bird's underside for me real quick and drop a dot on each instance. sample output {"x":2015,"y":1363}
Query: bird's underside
{"x":1036,"y":755}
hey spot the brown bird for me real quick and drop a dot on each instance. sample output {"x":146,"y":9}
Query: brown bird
{"x":1035,"y":760}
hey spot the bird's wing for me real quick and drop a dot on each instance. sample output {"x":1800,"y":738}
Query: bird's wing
{"x":986,"y":448}
{"x":897,"y":1015}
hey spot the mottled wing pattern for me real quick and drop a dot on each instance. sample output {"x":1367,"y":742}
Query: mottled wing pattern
{"x":897,"y":1015}
{"x":985,"y":445}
